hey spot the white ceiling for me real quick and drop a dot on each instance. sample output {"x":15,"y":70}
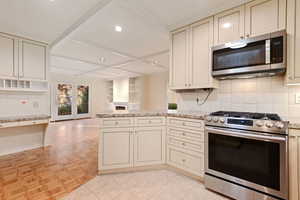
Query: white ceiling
{"x":82,"y":31}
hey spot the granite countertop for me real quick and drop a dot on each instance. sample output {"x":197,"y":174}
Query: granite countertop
{"x":190,"y":115}
{"x":294,"y":126}
{"x":23,"y":118}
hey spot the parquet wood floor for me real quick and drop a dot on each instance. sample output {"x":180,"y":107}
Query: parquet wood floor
{"x":52,"y":172}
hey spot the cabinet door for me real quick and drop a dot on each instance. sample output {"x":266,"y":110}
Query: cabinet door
{"x":229,"y":25}
{"x":8,"y":57}
{"x":149,"y":146}
{"x":179,"y":59}
{"x":293,"y":42}
{"x":33,"y":60}
{"x":201,"y":43}
{"x":294,"y":164}
{"x":265,"y":16}
{"x":116,"y":150}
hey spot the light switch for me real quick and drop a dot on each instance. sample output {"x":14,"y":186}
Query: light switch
{"x":297,"y":99}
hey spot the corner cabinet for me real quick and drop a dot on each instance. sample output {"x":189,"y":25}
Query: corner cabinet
{"x":294,"y":164}
{"x":22,"y":59}
{"x":190,"y":56}
{"x":293,"y":42}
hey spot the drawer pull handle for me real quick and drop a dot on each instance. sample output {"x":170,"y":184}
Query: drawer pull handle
{"x":183,"y":144}
{"x":183,"y":134}
{"x":183,"y":160}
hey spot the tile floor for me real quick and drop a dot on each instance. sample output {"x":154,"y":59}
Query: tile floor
{"x":150,"y":185}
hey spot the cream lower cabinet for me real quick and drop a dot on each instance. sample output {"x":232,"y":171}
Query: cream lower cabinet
{"x":116,"y":149}
{"x":131,"y":142}
{"x":294,"y":164}
{"x":149,"y":146}
{"x":185,"y":145}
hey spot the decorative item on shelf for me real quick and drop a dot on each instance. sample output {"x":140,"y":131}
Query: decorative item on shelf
{"x":172,"y":108}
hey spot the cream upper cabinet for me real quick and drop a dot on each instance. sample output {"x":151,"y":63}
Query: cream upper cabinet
{"x":33,"y":60}
{"x":293,"y":42}
{"x":264,"y":16}
{"x":149,"y":146}
{"x":179,"y":58}
{"x":294,"y":164}
{"x":8,"y":57}
{"x":201,"y":41}
{"x":229,"y":25}
{"x":116,"y":148}
{"x":191,"y":56}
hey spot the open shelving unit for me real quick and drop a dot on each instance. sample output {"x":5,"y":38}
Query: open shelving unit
{"x":23,"y":85}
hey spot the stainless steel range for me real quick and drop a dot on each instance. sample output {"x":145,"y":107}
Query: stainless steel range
{"x":247,"y":155}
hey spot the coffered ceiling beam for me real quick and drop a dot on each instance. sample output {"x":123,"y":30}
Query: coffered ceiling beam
{"x":130,"y":57}
{"x":91,"y":12}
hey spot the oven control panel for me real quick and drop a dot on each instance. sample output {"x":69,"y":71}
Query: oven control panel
{"x":248,"y":124}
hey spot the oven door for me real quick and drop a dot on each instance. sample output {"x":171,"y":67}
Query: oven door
{"x":254,"y":160}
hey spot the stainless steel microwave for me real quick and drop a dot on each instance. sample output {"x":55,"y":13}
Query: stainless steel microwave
{"x":263,"y":55}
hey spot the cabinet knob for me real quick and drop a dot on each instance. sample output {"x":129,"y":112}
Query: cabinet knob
{"x":116,"y":123}
{"x":242,"y":37}
{"x":183,"y":144}
{"x":183,"y":134}
{"x":183,"y":160}
{"x":247,"y":35}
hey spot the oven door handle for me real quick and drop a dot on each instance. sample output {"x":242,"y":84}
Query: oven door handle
{"x":245,"y":134}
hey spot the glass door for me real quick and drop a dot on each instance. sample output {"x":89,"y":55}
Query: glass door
{"x":83,"y":101}
{"x":71,"y":101}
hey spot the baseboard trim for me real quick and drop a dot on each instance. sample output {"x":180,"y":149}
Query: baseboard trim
{"x":152,"y":168}
{"x":132,"y":169}
{"x":185,"y":173}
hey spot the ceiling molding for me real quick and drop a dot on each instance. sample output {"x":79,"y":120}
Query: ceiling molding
{"x":100,"y":66}
{"x":80,"y":21}
{"x":131,"y":57}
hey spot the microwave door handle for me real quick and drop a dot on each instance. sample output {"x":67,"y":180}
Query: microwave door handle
{"x":268,"y":51}
{"x":245,"y":134}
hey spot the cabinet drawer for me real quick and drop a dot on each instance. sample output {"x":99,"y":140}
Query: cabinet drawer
{"x":185,"y":144}
{"x":186,"y":123}
{"x":150,"y":121}
{"x":197,"y":136}
{"x":117,"y":122}
{"x":191,"y":163}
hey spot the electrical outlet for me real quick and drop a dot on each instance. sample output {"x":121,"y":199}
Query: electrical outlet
{"x":297,"y":98}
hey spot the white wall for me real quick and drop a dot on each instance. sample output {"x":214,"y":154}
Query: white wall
{"x":155,"y":92}
{"x":97,"y":88}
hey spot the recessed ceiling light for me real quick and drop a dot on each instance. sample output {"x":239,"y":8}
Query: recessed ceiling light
{"x":118,"y":28}
{"x":227,"y":25}
{"x":51,"y":0}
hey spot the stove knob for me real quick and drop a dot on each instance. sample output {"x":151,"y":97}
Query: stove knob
{"x":215,"y":119}
{"x":279,"y":125}
{"x":259,"y":123}
{"x":208,"y":118}
{"x":222,"y":120}
{"x":269,"y":124}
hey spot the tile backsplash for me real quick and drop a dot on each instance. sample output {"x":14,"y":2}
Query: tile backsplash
{"x":268,"y":94}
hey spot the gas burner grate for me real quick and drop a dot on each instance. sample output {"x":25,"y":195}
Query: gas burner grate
{"x":248,"y":115}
